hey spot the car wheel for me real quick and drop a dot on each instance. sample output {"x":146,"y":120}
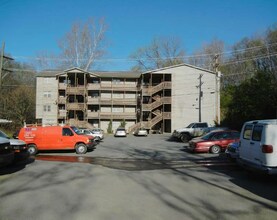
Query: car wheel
{"x":32,"y":149}
{"x":215,"y":149}
{"x":185,"y":138}
{"x":81,"y":149}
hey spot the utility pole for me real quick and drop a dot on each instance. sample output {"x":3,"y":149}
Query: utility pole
{"x":200,"y":95}
{"x":217,"y":88}
{"x":2,"y":57}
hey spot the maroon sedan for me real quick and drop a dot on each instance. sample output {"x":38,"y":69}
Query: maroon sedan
{"x":214,"y":142}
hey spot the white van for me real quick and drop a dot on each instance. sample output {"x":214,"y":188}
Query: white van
{"x":258,"y":145}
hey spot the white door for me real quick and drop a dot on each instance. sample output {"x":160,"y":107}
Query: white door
{"x":257,"y":155}
{"x":245,"y":146}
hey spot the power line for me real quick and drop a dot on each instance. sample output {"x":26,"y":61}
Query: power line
{"x":151,"y":59}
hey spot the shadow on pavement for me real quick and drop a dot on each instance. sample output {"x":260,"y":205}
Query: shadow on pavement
{"x":15,"y":167}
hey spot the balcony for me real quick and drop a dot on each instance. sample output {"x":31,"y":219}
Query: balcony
{"x":118,"y":115}
{"x":93,"y":86}
{"x":75,"y":106}
{"x":93,"y":114}
{"x":62,"y":113}
{"x":62,"y":86}
{"x":118,"y":87}
{"x":93,"y":100}
{"x":80,"y":90}
{"x":61,"y":100}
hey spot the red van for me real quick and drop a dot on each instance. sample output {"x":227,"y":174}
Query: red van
{"x":55,"y":138}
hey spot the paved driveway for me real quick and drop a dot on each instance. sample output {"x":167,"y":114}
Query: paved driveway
{"x":135,"y":178}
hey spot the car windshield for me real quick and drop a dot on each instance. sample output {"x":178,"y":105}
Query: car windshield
{"x":190,"y":125}
{"x":76,"y":130}
{"x":121,"y":129}
{"x":3,"y":135}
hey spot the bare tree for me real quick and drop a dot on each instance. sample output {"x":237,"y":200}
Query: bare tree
{"x":83,"y":44}
{"x":204,"y":57}
{"x":160,"y":53}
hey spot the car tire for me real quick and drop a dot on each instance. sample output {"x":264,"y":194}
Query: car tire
{"x":215,"y":149}
{"x":81,"y":149}
{"x":185,"y":138}
{"x":32,"y":149}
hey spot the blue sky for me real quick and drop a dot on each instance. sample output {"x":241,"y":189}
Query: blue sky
{"x":30,"y":26}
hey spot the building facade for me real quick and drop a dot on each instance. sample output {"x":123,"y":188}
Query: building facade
{"x":160,"y":100}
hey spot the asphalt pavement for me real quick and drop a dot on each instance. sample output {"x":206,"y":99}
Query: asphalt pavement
{"x":135,"y":178}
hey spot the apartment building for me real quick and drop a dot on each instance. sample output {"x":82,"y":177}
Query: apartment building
{"x":160,"y":100}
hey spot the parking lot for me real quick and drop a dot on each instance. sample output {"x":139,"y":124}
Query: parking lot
{"x":135,"y":178}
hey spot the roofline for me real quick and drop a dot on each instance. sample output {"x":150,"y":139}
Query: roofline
{"x":178,"y":65}
{"x":76,"y":68}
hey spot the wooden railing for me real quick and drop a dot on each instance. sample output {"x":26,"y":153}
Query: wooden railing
{"x":118,"y":115}
{"x":61,"y":100}
{"x":75,"y":106}
{"x":75,"y":90}
{"x":150,"y":90}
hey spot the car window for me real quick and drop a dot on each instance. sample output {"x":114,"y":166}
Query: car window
{"x":208,"y":136}
{"x":235,"y":135}
{"x":67,"y":132}
{"x":257,"y":133}
{"x":221,"y":136}
{"x":3,"y":135}
{"x":247,"y":132}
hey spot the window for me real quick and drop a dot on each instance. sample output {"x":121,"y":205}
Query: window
{"x":47,"y":108}
{"x":257,"y":133}
{"x":67,"y":132}
{"x":221,"y":136}
{"x":247,"y":132}
{"x":47,"y":94}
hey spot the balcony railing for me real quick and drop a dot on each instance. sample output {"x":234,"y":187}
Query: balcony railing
{"x":150,"y":90}
{"x":80,"y":90}
{"x":93,"y":114}
{"x":61,"y":100}
{"x":75,"y":106}
{"x":118,"y":115}
{"x":62,"y":113}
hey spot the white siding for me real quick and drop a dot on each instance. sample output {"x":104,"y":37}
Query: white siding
{"x":46,"y":97}
{"x":185,"y":96}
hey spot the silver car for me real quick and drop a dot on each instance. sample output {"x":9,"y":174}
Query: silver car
{"x":141,"y":132}
{"x":120,"y":132}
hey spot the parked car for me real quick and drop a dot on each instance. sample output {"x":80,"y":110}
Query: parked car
{"x":214,"y":142}
{"x":18,"y":146}
{"x":55,"y":138}
{"x":193,"y":130}
{"x":258,"y":146}
{"x":6,"y":152}
{"x":88,"y":132}
{"x":98,"y":132}
{"x":120,"y":132}
{"x":232,"y":150}
{"x":141,"y":132}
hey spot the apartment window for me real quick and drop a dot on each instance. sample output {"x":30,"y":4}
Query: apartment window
{"x":47,"y":108}
{"x":47,"y":94}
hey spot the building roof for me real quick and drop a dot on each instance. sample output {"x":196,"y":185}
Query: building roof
{"x":178,"y":65}
{"x":101,"y":74}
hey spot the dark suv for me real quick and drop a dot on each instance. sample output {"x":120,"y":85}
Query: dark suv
{"x":6,"y":152}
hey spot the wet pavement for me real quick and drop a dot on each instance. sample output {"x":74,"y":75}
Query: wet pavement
{"x":141,"y":164}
